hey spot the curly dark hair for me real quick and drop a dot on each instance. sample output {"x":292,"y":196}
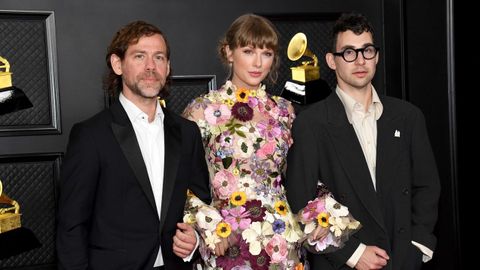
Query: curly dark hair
{"x":129,"y":35}
{"x":355,"y":22}
{"x":254,"y":30}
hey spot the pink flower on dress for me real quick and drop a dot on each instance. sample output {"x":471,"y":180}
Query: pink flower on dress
{"x":237,"y":218}
{"x":217,"y":114}
{"x":266,"y":149}
{"x":252,"y":102}
{"x":312,"y":209}
{"x":224,"y":183}
{"x":269,"y":129}
{"x":277,"y":249}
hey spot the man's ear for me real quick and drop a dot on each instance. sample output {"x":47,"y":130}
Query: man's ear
{"x":168,"y":68}
{"x":330,"y":59}
{"x":116,"y":63}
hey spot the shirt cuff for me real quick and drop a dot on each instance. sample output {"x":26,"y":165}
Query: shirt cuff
{"x":189,"y":257}
{"x":353,"y":260}
{"x":427,"y":253}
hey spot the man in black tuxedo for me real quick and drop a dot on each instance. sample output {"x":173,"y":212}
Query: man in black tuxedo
{"x":373,"y":153}
{"x":127,"y":169}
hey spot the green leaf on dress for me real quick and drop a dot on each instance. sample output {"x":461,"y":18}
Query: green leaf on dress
{"x":227,"y":162}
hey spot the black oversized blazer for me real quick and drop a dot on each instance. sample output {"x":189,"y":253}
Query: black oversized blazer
{"x":404,"y":206}
{"x":107,"y":217}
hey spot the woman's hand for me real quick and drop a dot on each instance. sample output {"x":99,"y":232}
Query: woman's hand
{"x":318,"y":234}
{"x":221,"y":247}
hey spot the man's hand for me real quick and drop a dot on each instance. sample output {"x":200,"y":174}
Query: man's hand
{"x":184,"y":240}
{"x":372,"y":258}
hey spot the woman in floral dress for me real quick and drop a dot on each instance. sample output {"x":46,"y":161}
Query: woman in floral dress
{"x":246,"y":133}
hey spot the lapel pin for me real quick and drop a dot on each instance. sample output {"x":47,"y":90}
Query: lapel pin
{"x":397,"y":133}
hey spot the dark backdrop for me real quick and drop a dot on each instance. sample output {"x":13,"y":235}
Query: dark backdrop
{"x":414,"y":65}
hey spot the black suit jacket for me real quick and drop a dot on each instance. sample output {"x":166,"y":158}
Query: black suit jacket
{"x":404,"y":206}
{"x":107,"y":217}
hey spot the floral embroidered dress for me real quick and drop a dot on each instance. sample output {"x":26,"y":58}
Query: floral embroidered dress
{"x":246,"y":135}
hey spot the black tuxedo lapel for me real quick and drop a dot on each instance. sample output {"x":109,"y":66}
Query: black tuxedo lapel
{"x":351,"y":156}
{"x":172,"y":157}
{"x":125,"y":135}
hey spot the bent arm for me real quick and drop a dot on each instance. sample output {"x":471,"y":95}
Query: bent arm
{"x":78,"y":182}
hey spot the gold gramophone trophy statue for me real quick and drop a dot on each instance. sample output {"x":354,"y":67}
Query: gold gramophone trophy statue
{"x":306,"y":86}
{"x":11,"y":98}
{"x":9,"y":212}
{"x":14,"y":239}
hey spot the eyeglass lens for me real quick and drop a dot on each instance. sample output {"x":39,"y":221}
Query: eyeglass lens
{"x":351,"y":55}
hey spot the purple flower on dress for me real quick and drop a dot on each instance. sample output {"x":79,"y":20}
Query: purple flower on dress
{"x":242,"y":111}
{"x":237,"y":217}
{"x":236,"y":255}
{"x":277,"y":183}
{"x":260,"y":170}
{"x":260,"y":262}
{"x":278,"y":226}
{"x":256,"y":210}
{"x":269,"y":129}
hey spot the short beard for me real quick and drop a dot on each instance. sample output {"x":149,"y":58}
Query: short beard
{"x":142,"y":89}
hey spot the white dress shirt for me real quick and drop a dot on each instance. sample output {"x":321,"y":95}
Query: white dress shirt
{"x":364,"y":122}
{"x":150,"y":138}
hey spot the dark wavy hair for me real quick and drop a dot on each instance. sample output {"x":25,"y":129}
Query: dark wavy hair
{"x":355,"y":22}
{"x":254,"y":30}
{"x":129,"y":35}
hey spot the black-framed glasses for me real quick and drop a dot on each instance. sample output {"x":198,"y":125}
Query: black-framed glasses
{"x":350,"y":55}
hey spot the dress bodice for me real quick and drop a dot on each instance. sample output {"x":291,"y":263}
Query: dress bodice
{"x":246,"y":134}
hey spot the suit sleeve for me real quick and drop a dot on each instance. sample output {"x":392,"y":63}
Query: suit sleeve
{"x":79,"y":178}
{"x":302,"y":166}
{"x":303,"y":173}
{"x":199,"y":183}
{"x":425,"y":185}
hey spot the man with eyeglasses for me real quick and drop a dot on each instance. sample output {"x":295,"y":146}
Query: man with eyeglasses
{"x":373,"y":153}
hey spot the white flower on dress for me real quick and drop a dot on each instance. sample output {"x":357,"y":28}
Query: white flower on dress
{"x":243,"y":149}
{"x":211,"y":239}
{"x":257,"y":235}
{"x":291,"y":233}
{"x":196,"y":202}
{"x":208,"y":218}
{"x":334,"y":208}
{"x":338,"y":224}
{"x":247,"y":185}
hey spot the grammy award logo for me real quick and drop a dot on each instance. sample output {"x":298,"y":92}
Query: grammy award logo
{"x":306,"y":86}
{"x":11,"y":98}
{"x":9,"y":215}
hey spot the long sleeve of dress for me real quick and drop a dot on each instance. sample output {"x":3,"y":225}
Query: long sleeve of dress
{"x":324,"y":211}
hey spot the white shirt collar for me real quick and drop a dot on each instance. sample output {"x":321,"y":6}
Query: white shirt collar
{"x":134,"y":113}
{"x":350,"y":104}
